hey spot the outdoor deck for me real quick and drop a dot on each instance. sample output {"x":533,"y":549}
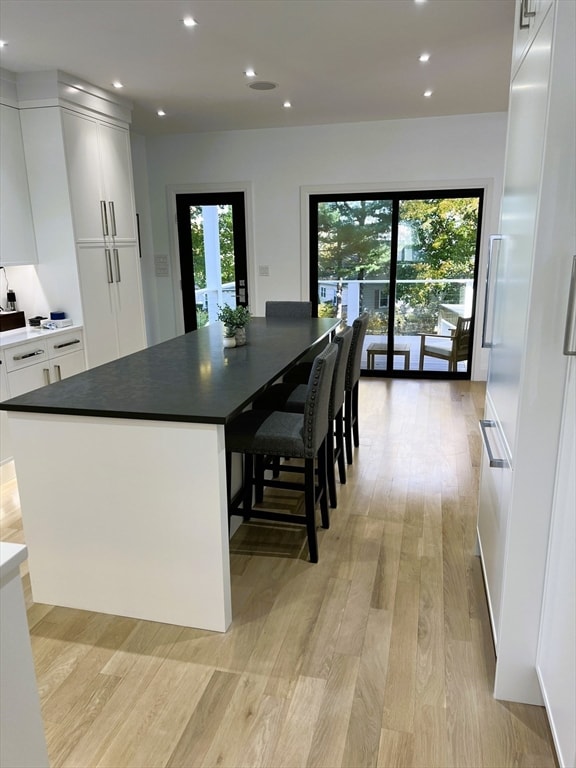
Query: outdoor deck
{"x":413,"y":342}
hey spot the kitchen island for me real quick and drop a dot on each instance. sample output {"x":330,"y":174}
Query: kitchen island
{"x":122,"y":479}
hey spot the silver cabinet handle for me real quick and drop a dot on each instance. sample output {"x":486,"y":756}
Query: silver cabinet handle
{"x":108,"y":265}
{"x":487,"y":340}
{"x":486,"y":424}
{"x":26,"y":355}
{"x":46,"y":373}
{"x":104,"y":217}
{"x":525,"y":15}
{"x":117,"y":265}
{"x":67,"y":344}
{"x":58,"y":373}
{"x":113,"y":218}
{"x":570,"y":329}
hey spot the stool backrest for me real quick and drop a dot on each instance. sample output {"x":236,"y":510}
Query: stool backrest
{"x":359,"y":327}
{"x":288,"y":309}
{"x":315,"y":427}
{"x":343,"y":340}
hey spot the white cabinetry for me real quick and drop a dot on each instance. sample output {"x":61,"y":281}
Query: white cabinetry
{"x":80,"y":171}
{"x":99,"y":171}
{"x":529,"y":16}
{"x":17,"y":243}
{"x":527,"y":368}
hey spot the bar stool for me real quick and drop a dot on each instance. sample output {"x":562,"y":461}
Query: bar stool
{"x":291,"y":396}
{"x":259,"y":434}
{"x":288,"y":309}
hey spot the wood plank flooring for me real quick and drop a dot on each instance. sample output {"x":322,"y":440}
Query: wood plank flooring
{"x":379,"y":656}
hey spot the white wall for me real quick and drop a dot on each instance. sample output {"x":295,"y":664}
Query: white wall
{"x":276,"y":163}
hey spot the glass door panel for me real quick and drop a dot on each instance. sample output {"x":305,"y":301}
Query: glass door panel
{"x":212,"y":245}
{"x":408,"y":260}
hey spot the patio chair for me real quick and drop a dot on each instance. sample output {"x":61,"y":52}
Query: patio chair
{"x":453,"y":348}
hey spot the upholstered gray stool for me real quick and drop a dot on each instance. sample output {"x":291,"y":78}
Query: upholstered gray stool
{"x":300,"y":371}
{"x":291,"y":396}
{"x":260,"y":434}
{"x":288,"y":309}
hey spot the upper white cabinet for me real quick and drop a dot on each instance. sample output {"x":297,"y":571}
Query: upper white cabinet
{"x":79,"y":162}
{"x":17,"y":243}
{"x":528,"y":18}
{"x":100,"y":177}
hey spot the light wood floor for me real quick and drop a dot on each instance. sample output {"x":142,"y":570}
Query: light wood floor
{"x":379,"y":655}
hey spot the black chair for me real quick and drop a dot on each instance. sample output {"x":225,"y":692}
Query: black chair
{"x":351,"y":430}
{"x":300,"y":372}
{"x":260,"y":434}
{"x":291,"y":396}
{"x":288,"y":309}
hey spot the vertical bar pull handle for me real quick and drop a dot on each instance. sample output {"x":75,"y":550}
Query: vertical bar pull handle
{"x":487,"y":339}
{"x":58,"y":373}
{"x":46,"y":373}
{"x":108,"y":265}
{"x":117,"y":265}
{"x":104,"y":217}
{"x":525,"y":15}
{"x":570,"y":329}
{"x":113,"y":218}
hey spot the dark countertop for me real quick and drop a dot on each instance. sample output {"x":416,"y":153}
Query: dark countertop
{"x":191,"y":378}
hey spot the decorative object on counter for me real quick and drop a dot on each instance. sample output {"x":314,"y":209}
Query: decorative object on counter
{"x":11,"y":301}
{"x":235,"y":320}
{"x":35,"y":322}
{"x":9,"y":321}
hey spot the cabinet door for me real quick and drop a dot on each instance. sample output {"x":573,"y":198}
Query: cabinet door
{"x":528,"y":18}
{"x":98,"y":304}
{"x":129,"y":304}
{"x":84,"y":176}
{"x":67,"y":365}
{"x":27,"y":379}
{"x":17,"y":243}
{"x":117,"y":174}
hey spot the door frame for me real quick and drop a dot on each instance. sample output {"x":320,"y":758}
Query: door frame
{"x":246,"y":187}
{"x":489,"y":223}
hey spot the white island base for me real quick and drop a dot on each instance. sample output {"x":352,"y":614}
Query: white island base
{"x":126,"y":516}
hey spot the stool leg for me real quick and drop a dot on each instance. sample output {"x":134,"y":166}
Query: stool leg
{"x":339,"y":433}
{"x":331,"y":475}
{"x":259,"y":479}
{"x":247,"y":490}
{"x":355,"y":415}
{"x":323,"y":486}
{"x":310,"y":508}
{"x":348,"y":426}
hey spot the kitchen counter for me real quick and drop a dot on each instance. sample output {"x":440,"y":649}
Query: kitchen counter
{"x":22,"y":335}
{"x":191,"y":378}
{"x":122,"y":473}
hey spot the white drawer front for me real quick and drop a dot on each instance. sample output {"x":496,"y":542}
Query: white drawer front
{"x":23,"y":355}
{"x":64,"y":343}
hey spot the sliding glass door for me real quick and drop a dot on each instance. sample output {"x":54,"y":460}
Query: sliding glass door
{"x":410,"y":261}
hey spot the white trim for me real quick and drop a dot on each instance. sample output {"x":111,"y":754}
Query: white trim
{"x":198,"y":189}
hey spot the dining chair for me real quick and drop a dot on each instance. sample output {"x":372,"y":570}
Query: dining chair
{"x":291,"y":396}
{"x":259,"y":434}
{"x":351,"y":427}
{"x":453,"y":348}
{"x":289,"y":309}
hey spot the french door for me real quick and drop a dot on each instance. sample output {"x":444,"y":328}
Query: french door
{"x":411,"y":261}
{"x":212,"y":250}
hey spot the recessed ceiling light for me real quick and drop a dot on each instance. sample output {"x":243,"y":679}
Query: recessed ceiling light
{"x":188,"y":21}
{"x":287,"y":105}
{"x":161,"y":113}
{"x":117,"y":84}
{"x":419,"y":2}
{"x":424,"y":57}
{"x":3,"y":43}
{"x":250,"y":73}
{"x":427,"y":94}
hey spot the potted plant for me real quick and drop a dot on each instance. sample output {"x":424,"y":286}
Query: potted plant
{"x":234,"y":320}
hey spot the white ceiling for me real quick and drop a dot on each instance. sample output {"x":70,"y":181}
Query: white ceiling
{"x":335,"y":60}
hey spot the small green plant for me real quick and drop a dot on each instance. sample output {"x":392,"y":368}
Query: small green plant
{"x":233,"y":317}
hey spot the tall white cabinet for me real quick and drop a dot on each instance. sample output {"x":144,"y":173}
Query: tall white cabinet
{"x":528,"y":298}
{"x":77,"y":149}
